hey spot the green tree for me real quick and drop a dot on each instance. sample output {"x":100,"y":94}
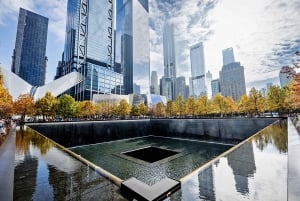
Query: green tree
{"x":24,"y":105}
{"x":67,"y":106}
{"x":123,"y":108}
{"x":277,"y":99}
{"x":190,"y":106}
{"x":46,"y":106}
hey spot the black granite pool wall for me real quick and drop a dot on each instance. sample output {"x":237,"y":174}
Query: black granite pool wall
{"x":71,"y":134}
{"x":234,"y":129}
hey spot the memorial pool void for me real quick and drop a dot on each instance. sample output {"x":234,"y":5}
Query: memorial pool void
{"x":189,"y":149}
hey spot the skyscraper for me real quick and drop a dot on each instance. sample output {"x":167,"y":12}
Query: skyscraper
{"x":169,"y":59}
{"x":228,"y":56}
{"x":180,"y":87}
{"x":89,"y":48}
{"x":154,"y":83}
{"x":286,"y":75}
{"x":208,"y":84}
{"x":198,"y":70}
{"x":232,"y":78}
{"x":29,"y":56}
{"x":132,"y":44}
{"x":215,"y":87}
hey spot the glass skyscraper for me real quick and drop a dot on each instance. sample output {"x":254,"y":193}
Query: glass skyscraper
{"x":169,"y":61}
{"x":89,"y":48}
{"x":29,"y":56}
{"x":132,"y":48}
{"x":228,"y":56}
{"x":198,"y":70}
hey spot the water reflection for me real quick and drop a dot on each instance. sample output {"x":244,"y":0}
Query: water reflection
{"x":248,"y":173}
{"x":276,"y":135}
{"x":45,"y":172}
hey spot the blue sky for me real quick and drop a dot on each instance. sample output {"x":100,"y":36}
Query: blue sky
{"x":263,"y":33}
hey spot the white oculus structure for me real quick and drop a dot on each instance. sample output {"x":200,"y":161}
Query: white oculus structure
{"x":17,"y":86}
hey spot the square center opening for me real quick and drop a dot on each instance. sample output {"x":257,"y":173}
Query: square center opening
{"x":151,"y":154}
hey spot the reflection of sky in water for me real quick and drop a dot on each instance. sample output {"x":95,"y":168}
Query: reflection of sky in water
{"x":248,"y":173}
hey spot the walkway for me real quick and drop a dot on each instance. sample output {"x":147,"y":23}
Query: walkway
{"x":7,"y":157}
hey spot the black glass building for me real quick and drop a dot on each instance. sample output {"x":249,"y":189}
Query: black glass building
{"x":29,"y":56}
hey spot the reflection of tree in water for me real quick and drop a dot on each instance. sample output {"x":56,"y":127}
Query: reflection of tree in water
{"x":275,"y":134}
{"x":27,"y":137}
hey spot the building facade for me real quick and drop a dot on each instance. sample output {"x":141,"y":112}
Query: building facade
{"x":89,"y":48}
{"x":228,"y":56}
{"x":286,"y":75}
{"x":29,"y":57}
{"x":198,"y":70}
{"x":169,"y":59}
{"x":166,"y":87}
{"x":208,"y":84}
{"x":215,"y":87}
{"x":154,"y":83}
{"x":132,"y":48}
{"x":180,"y":87}
{"x":232,"y":80}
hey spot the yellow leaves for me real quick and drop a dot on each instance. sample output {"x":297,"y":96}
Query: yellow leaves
{"x":24,"y":105}
{"x":86,"y":109}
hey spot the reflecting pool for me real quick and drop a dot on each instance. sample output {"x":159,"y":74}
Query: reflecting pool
{"x":191,"y":155}
{"x":43,"y":171}
{"x":257,"y":170}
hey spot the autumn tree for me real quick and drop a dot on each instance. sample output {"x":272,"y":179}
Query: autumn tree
{"x":123,"y":108}
{"x":67,"y":106}
{"x":6,"y":101}
{"x":256,"y":102}
{"x":277,"y":98}
{"x":219,"y":104}
{"x":143,"y":109}
{"x":159,"y":110}
{"x":135,"y":111}
{"x":244,"y":104}
{"x":180,"y":105}
{"x":190,"y":106}
{"x":24,"y":105}
{"x":86,"y":109}
{"x":203,"y":105}
{"x":232,"y":106}
{"x":294,"y":95}
{"x":46,"y":106}
{"x":171,"y":109}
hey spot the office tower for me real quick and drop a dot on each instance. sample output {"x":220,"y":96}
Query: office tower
{"x":232,"y":78}
{"x":29,"y":57}
{"x":269,"y":84}
{"x":286,"y":75}
{"x":132,"y":44}
{"x":187,"y":92}
{"x":169,"y":59}
{"x":180,"y":87}
{"x":228,"y":56}
{"x":215,"y":87}
{"x":208,"y":84}
{"x":166,"y":88}
{"x":263,"y":91}
{"x":154,"y":83}
{"x":89,"y":47}
{"x":198,"y":70}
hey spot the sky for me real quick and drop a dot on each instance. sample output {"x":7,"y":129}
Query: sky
{"x":264,"y":34}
